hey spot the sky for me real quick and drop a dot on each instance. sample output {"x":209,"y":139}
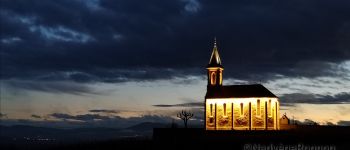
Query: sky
{"x":73,"y":63}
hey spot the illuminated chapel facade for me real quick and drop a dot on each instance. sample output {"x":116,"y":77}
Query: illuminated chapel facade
{"x":237,"y":107}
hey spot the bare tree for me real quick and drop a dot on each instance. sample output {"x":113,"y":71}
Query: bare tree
{"x":185,"y":116}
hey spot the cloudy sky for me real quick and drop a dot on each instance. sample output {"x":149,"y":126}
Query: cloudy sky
{"x":114,"y":63}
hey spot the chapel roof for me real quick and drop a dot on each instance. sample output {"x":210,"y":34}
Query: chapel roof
{"x":239,"y":91}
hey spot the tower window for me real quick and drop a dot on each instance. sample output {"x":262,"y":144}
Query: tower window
{"x":241,"y":109}
{"x":213,"y":78}
{"x":258,"y":107}
{"x":220,"y":77}
{"x":211,"y":109}
{"x":225,"y":114}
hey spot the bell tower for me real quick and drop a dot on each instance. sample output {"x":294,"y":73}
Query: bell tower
{"x":214,"y":68}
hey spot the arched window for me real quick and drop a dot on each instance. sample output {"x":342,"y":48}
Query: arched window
{"x":241,"y":109}
{"x":213,"y":78}
{"x":270,"y":108}
{"x":220,"y":77}
{"x":225,"y":109}
{"x":258,"y":107}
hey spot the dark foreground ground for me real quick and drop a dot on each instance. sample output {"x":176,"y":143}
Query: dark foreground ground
{"x":305,"y":138}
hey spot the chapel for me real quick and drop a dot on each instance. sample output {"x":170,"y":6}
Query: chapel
{"x":237,"y":107}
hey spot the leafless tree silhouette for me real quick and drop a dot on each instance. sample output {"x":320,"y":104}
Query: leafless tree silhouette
{"x":185,"y":116}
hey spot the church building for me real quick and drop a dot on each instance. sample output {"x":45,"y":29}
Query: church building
{"x":237,"y":107}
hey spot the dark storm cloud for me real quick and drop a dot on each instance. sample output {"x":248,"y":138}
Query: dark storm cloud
{"x":340,"y":98}
{"x":36,"y":116}
{"x":117,"y":41}
{"x":53,"y":86}
{"x":84,"y":117}
{"x":104,"y":111}
{"x":193,"y":104}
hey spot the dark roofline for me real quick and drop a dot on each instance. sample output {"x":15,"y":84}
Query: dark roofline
{"x":239,"y":91}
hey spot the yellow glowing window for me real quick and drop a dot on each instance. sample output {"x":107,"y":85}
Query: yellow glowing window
{"x":224,"y":109}
{"x":211,"y":109}
{"x":258,"y":107}
{"x":270,"y":108}
{"x":213,"y":78}
{"x":241,"y":109}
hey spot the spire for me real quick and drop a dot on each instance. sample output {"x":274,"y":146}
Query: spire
{"x":215,"y":41}
{"x":215,"y":60}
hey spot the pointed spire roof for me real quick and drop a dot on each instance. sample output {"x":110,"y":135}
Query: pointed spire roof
{"x":215,"y":60}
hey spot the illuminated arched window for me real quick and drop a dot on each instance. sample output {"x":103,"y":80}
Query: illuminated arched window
{"x":213,"y":78}
{"x":241,"y":109}
{"x":220,"y":78}
{"x":270,"y":108}
{"x":225,"y":109}
{"x":258,"y":107}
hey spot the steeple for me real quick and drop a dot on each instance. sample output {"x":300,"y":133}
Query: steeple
{"x":215,"y":68}
{"x":215,"y":60}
